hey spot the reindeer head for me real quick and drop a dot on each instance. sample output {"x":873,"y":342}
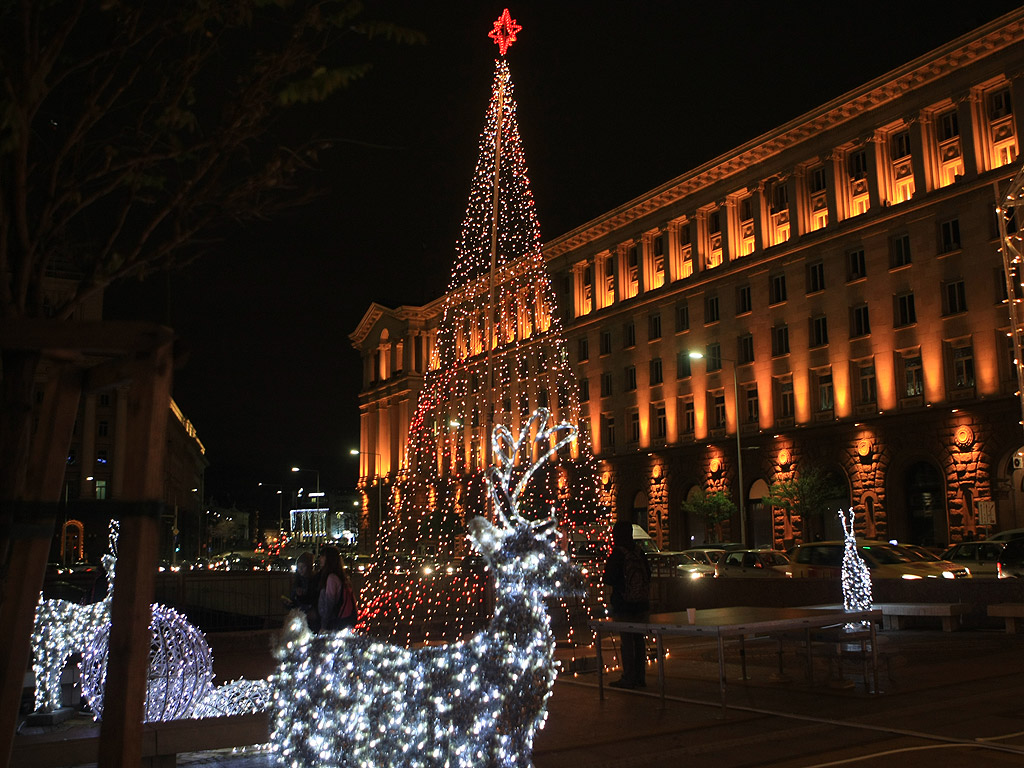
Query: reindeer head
{"x":523,"y":553}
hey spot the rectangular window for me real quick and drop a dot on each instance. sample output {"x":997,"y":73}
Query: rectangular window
{"x":584,"y":390}
{"x":606,"y":384}
{"x":745,"y":247}
{"x":657,"y":276}
{"x":860,"y":325}
{"x":745,"y":351}
{"x":683,"y":263}
{"x":826,"y":393}
{"x":816,"y":276}
{"x":682,"y":317}
{"x":913,"y":376}
{"x":656,"y":373}
{"x":583,"y":350}
{"x":660,"y":422}
{"x":777,"y":289}
{"x":718,"y":409}
{"x":689,"y":420}
{"x":899,"y":250}
{"x":744,"y":304}
{"x":963,"y":367}
{"x":819,"y":331}
{"x":954,"y":297}
{"x":817,"y":187}
{"x":950,"y":154}
{"x":713,"y":356}
{"x":630,"y":378}
{"x":609,"y":431}
{"x":714,"y":245}
{"x":683,"y":364}
{"x":753,"y":411}
{"x":634,"y":427}
{"x":856,"y":269}
{"x":104,"y":400}
{"x":778,"y":213}
{"x":710,"y":310}
{"x":654,"y":326}
{"x":784,"y":389}
{"x":780,"y":340}
{"x":867,"y":391}
{"x":606,"y":342}
{"x":905,"y":314}
{"x":103,"y":429}
{"x":1002,"y":134}
{"x":101,"y":489}
{"x":629,"y":334}
{"x":950,"y":234}
{"x":857,"y":166}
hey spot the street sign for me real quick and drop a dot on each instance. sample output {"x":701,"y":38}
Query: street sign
{"x":986,"y":512}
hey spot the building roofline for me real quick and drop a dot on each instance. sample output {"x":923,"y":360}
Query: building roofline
{"x":979,"y":43}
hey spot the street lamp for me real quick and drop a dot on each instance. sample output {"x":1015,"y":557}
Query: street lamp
{"x":739,"y":446}
{"x":380,"y":482}
{"x":317,"y":471}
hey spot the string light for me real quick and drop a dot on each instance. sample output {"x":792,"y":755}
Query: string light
{"x":856,"y":577}
{"x":349,"y":699}
{"x":180,"y":675}
{"x":500,"y":354}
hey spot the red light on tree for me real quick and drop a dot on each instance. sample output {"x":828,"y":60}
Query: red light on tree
{"x":504,"y":32}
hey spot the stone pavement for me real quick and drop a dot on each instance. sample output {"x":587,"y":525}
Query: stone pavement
{"x":946,"y":698}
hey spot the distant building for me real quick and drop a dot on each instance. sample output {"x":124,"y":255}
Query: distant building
{"x":840,"y":276}
{"x":95,"y":468}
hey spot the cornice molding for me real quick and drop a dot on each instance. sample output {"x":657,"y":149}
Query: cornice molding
{"x":981,"y":43}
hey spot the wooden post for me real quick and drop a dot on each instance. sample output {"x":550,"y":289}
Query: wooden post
{"x":31,"y":533}
{"x":128,"y":657}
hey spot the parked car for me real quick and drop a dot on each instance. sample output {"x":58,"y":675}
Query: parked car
{"x":705,"y":555}
{"x":695,"y":565}
{"x":921,"y":553}
{"x":662,"y":563}
{"x":753,"y":563}
{"x":1008,"y":535}
{"x":824,"y":559}
{"x":981,"y":557}
{"x":1011,"y":560}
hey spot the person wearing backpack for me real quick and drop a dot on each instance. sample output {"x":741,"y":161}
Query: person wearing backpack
{"x":336,"y":600}
{"x":628,"y":574}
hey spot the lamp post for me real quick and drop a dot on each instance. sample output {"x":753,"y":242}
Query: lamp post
{"x":739,"y":446}
{"x":380,"y":508}
{"x":317,"y":472}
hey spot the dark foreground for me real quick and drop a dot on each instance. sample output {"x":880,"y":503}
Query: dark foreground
{"x":947,"y":699}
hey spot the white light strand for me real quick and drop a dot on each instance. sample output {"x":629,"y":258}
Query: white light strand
{"x":179,"y":681}
{"x":855,"y":574}
{"x":347,"y":699}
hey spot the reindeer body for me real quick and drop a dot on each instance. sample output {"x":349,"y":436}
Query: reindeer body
{"x":346,"y":699}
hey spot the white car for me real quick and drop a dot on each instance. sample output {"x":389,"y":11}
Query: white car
{"x":693,"y":566}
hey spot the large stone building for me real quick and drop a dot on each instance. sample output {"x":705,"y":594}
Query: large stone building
{"x":841,"y":277}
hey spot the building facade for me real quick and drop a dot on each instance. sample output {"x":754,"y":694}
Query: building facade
{"x":841,"y":279}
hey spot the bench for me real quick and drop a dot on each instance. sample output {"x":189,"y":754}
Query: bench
{"x":161,"y":742}
{"x":894,"y":615}
{"x":1012,"y":613}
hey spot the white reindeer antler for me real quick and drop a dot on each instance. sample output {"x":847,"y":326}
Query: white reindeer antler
{"x":506,"y":453}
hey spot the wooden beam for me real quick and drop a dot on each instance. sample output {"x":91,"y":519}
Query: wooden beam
{"x":30,"y":548}
{"x":128,"y":659}
{"x":101,"y":338}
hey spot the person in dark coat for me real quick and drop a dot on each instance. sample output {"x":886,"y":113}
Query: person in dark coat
{"x":336,"y":601}
{"x":634,"y":646}
{"x":304,"y":590}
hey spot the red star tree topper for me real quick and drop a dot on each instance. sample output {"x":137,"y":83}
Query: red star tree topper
{"x":504,"y":32}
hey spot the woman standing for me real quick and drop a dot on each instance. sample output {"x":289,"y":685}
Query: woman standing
{"x":336,"y":601}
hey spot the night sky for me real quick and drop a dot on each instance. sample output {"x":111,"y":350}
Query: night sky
{"x":614,"y":99}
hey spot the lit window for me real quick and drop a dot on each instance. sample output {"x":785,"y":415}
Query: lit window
{"x":746,"y":227}
{"x":714,"y":244}
{"x":860,"y":202}
{"x":913,"y":376}
{"x":1002,"y":134}
{"x":951,"y":161}
{"x":778,"y":213}
{"x":817,"y":187}
{"x":826,"y":393}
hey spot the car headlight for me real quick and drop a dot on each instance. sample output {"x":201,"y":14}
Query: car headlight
{"x":948,"y":575}
{"x":910,"y":576}
{"x":427,"y":570}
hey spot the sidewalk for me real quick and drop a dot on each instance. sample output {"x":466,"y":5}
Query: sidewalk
{"x":947,"y":698}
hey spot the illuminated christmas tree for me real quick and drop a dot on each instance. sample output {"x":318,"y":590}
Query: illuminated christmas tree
{"x":500,"y":355}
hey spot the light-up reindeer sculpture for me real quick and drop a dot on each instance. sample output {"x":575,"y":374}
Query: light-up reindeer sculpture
{"x":856,"y":576}
{"x":63,"y":628}
{"x":347,"y":699}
